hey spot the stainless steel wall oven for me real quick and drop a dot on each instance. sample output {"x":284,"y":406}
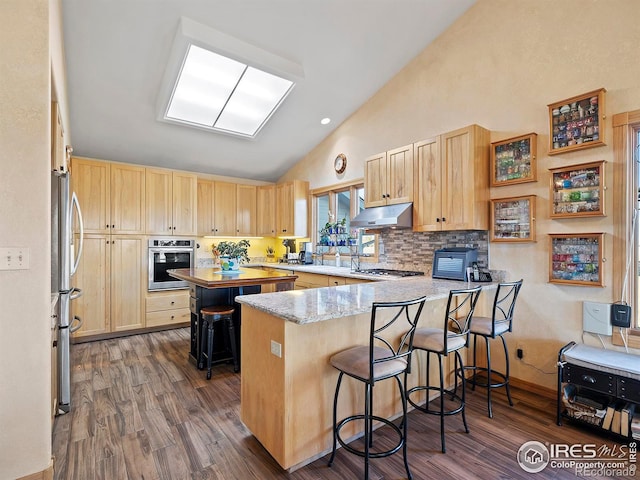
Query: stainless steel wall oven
{"x":165,"y":254}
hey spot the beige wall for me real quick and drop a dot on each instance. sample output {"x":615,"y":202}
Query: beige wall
{"x":25,"y":92}
{"x":500,"y":66}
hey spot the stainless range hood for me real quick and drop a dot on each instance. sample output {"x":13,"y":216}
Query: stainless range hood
{"x":388,"y":216}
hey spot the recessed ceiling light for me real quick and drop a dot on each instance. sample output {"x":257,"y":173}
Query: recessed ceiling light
{"x":325,"y":121}
{"x":208,"y":85}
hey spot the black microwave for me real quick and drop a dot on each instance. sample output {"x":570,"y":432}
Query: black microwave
{"x":451,"y":263}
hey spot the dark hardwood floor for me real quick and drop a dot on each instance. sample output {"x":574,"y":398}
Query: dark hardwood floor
{"x":141,"y":411}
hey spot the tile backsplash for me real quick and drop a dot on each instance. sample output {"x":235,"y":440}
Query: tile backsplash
{"x":407,"y":250}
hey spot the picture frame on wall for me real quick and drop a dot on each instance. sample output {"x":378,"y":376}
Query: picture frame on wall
{"x":513,"y":219}
{"x":576,"y":259}
{"x":577,"y":122}
{"x":514,"y":160}
{"x":578,"y":190}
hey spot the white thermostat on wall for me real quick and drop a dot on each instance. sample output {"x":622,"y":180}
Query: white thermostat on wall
{"x":596,"y":318}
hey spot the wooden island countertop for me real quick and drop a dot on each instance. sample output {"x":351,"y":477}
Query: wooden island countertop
{"x":214,"y":278}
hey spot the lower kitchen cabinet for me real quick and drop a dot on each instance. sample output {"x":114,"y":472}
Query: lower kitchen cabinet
{"x":110,"y":274}
{"x":167,"y":308}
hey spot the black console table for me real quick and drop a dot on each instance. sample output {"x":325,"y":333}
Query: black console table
{"x":597,"y":378}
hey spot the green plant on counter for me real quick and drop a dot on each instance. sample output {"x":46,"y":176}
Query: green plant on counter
{"x":237,"y":250}
{"x":270,"y":251}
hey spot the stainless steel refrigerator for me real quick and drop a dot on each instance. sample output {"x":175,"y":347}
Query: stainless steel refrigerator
{"x":66,"y":250}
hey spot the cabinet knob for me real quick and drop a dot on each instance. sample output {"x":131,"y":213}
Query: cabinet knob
{"x":437,"y":220}
{"x":107,"y":225}
{"x":174,"y":228}
{"x":172,"y":303}
{"x":172,"y":317}
{"x":588,"y":379}
{"x":444,"y":219}
{"x":113,"y":226}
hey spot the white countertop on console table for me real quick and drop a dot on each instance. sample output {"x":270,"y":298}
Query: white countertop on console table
{"x":320,"y":304}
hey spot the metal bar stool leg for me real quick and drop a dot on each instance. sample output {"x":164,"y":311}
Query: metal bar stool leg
{"x":464,"y":391}
{"x":486,"y":341}
{"x":506,"y":356}
{"x":335,"y":419}
{"x":441,"y":404}
{"x":209,"y":349}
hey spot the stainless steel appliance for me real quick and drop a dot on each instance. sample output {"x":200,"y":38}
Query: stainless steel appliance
{"x":165,"y":254}
{"x":388,"y":216}
{"x":452,"y":263}
{"x":306,"y":253}
{"x":66,"y":250}
{"x":386,"y":272}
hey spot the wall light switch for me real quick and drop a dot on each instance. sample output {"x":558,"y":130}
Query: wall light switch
{"x":276,"y":349}
{"x":14,"y":258}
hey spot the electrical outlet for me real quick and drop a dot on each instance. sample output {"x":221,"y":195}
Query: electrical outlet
{"x":276,"y":349}
{"x":14,"y":258}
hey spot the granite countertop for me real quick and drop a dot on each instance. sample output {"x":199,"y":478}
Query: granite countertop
{"x":323,"y":270}
{"x":320,"y":304}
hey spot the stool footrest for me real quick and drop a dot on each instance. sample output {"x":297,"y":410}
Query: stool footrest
{"x":484,"y":383}
{"x":425,"y":408}
{"x":361,"y":453}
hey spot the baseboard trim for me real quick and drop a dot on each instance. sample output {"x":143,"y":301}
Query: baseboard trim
{"x":46,"y":474}
{"x":533,"y":388}
{"x":126,"y":333}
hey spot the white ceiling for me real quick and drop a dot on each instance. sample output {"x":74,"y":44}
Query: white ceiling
{"x":117,"y":51}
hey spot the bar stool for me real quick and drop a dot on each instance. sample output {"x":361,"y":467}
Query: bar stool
{"x":441,"y":341}
{"x":379,"y":360}
{"x":500,"y":323}
{"x":211,"y":315}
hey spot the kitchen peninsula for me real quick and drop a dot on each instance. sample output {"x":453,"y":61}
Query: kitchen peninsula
{"x":287,"y":339}
{"x":209,"y":286}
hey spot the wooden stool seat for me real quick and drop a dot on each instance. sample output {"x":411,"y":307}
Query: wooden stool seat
{"x":218,"y":310}
{"x":211,"y":315}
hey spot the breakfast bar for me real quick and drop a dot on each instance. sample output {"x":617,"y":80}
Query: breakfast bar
{"x":287,"y":382}
{"x":212,"y":286}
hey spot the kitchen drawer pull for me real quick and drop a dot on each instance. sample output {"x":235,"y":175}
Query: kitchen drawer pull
{"x":588,"y":379}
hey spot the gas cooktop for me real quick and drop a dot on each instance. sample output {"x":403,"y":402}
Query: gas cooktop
{"x":385,"y":271}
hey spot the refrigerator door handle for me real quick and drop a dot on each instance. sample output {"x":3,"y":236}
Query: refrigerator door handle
{"x":75,"y":293}
{"x":74,"y":201}
{"x":75,"y":327}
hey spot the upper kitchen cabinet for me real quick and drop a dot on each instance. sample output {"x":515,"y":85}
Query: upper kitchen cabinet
{"x":388,"y":177}
{"x":205,"y":207}
{"x":291,"y":201}
{"x":266,"y":211}
{"x":225,"y":209}
{"x":171,"y":202}
{"x":246,"y":210}
{"x":111,"y":195}
{"x":452,"y":181}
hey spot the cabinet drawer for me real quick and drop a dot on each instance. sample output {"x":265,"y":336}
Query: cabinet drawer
{"x":598,"y":381}
{"x":629,"y":389}
{"x":335,"y":280}
{"x":168,"y":317}
{"x":156,"y":303}
{"x":312,"y":280}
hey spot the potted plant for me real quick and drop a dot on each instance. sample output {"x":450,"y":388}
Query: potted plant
{"x":232,"y":254}
{"x":270,"y":253}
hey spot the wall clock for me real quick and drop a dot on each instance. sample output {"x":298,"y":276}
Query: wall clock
{"x":340,"y":163}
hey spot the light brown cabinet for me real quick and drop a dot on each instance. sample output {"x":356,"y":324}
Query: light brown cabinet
{"x":452,"y":181}
{"x":111,"y":195}
{"x":246,"y":196}
{"x":170,"y":202}
{"x":291,"y":200}
{"x":167,"y":308}
{"x":388,"y":177}
{"x":266,"y":211}
{"x":225,"y":209}
{"x":110,"y":275}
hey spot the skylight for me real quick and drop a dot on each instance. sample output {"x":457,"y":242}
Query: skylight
{"x":220,"y":93}
{"x":216,"y":82}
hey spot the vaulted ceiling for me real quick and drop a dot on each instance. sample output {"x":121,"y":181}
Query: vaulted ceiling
{"x":117,"y":52}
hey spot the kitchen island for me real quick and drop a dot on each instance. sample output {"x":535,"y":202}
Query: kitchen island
{"x":209,"y":286}
{"x":287,"y":383}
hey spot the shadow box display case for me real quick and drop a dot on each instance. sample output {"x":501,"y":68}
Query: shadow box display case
{"x":514,"y":160}
{"x":576,"y":259}
{"x":578,"y":190}
{"x":577,"y":123}
{"x":512,"y":219}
